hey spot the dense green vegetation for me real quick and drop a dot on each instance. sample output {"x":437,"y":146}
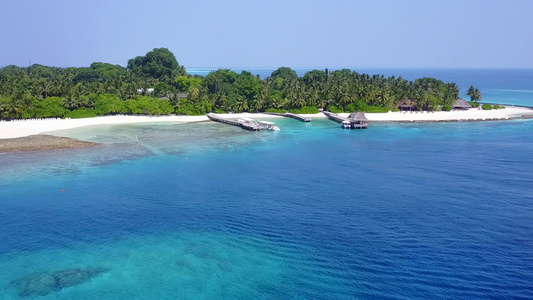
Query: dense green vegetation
{"x":446,"y":107}
{"x":305,"y":110}
{"x":487,"y":106}
{"x":155,"y":84}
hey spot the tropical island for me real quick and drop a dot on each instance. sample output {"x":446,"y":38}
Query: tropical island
{"x":157,"y":85}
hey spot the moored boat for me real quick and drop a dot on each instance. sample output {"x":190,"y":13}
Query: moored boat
{"x":246,"y":121}
{"x":346,"y":124}
{"x":266,"y":125}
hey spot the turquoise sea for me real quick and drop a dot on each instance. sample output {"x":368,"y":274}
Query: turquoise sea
{"x":209,"y":211}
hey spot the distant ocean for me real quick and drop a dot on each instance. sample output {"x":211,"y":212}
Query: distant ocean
{"x":210,"y":211}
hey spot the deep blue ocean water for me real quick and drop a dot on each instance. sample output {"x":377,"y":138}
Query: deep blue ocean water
{"x":209,"y":211}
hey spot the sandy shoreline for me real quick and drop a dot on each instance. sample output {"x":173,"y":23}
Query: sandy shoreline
{"x":15,"y":129}
{"x":510,"y":112}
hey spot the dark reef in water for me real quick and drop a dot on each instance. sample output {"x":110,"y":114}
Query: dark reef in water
{"x":41,"y":284}
{"x":42,"y":142}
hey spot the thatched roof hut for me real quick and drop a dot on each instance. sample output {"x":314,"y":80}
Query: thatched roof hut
{"x":407,"y":104}
{"x":357,"y":117}
{"x":461,"y":104}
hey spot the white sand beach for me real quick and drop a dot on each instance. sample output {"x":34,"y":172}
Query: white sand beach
{"x":21,"y":128}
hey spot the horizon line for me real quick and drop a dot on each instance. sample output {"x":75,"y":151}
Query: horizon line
{"x":369,"y":67}
{"x":313,"y":67}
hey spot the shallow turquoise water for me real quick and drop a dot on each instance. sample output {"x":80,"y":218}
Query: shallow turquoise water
{"x":184,"y":265}
{"x":203,"y":211}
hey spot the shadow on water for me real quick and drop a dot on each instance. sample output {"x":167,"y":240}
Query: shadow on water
{"x":186,"y":265}
{"x":41,"y":284}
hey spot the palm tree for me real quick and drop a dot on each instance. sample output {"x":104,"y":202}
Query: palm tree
{"x":279,"y":103}
{"x":298,"y":102}
{"x":474,"y":94}
{"x":451,"y":94}
{"x":242,"y":104}
{"x":321,"y":103}
{"x":70,"y":102}
{"x":14,"y":108}
{"x":194,"y":92}
{"x":312,"y":95}
{"x":220,"y":100}
{"x":260,"y":99}
{"x":214,"y":87}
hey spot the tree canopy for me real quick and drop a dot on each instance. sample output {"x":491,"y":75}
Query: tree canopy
{"x":159,"y":62}
{"x":284,"y":73}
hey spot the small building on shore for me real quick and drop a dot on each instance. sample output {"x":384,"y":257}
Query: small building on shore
{"x":148,"y":91}
{"x":407,"y":105}
{"x":178,"y":96}
{"x":461,"y":104}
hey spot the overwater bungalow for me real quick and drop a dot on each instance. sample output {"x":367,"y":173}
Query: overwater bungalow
{"x":461,"y":104}
{"x":358,"y":120}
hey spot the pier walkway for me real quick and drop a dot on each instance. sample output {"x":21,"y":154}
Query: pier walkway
{"x":335,"y":117}
{"x":243,"y":125}
{"x":290,"y":115}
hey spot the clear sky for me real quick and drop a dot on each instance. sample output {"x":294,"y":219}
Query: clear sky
{"x":255,"y":33}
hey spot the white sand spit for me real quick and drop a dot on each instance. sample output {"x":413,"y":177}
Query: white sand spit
{"x":20,"y":128}
{"x":459,"y":115}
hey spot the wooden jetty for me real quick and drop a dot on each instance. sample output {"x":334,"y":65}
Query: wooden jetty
{"x":334,"y":117}
{"x":356,"y":120}
{"x":290,"y":115}
{"x":244,"y":125}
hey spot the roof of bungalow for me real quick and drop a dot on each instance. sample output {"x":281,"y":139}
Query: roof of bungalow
{"x":406,"y":103}
{"x":356,"y":116}
{"x":461,"y":103}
